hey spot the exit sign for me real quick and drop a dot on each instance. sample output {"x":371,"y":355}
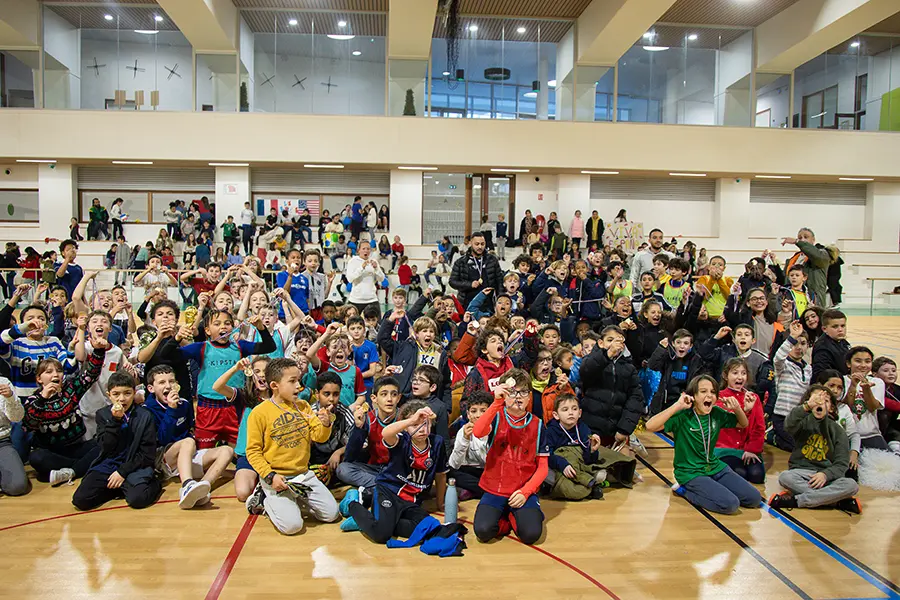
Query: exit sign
{"x":452,"y":187}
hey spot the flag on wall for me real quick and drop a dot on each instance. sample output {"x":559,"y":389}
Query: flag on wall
{"x":294,"y":206}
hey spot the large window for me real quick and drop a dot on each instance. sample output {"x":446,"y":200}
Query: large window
{"x":443,"y":207}
{"x":18,"y":72}
{"x":19,"y":205}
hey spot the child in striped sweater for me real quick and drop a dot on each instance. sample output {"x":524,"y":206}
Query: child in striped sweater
{"x":23,"y":346}
{"x":793,"y":376}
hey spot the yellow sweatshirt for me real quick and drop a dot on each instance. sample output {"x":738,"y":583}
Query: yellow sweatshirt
{"x":279,"y":437}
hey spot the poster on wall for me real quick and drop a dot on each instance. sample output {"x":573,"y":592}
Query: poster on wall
{"x":294,"y":206}
{"x":627,"y":234}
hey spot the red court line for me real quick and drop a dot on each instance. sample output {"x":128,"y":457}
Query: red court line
{"x":96,"y":510}
{"x":558,"y":559}
{"x":219,"y":583}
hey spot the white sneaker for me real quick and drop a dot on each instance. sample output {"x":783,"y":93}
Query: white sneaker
{"x":62,"y":476}
{"x":192,"y":493}
{"x":203,"y":501}
{"x":637,"y":446}
{"x":600,"y":476}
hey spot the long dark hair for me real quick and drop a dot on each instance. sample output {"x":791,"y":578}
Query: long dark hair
{"x":770,"y":314}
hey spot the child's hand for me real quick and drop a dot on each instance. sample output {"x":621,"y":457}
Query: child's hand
{"x":115,"y":481}
{"x":422,"y":415}
{"x":203,"y":299}
{"x":333,"y":329}
{"x":256,"y":321}
{"x":81,"y":322}
{"x":278,"y":293}
{"x":749,"y":401}
{"x":530,"y":279}
{"x":615,"y":349}
{"x":100,"y":343}
{"x":749,"y":458}
{"x":487,"y":291}
{"x":854,"y":460}
{"x":517,"y":500}
{"x":732,"y":404}
{"x":595,"y":442}
{"x":396,"y":315}
{"x":472,"y":327}
{"x":467,"y":430}
{"x":172,"y":397}
{"x":41,"y":288}
{"x":701,"y":289}
{"x":184,"y":333}
{"x":279,"y":483}
{"x":359,"y":415}
{"x":5,"y":391}
{"x":736,"y":289}
{"x":324,"y":417}
{"x":467,"y":317}
{"x":685,"y":402}
{"x":796,"y":329}
{"x":569,"y":472}
{"x":686,"y":292}
{"x":723,"y":332}
{"x":664,"y":342}
{"x":118,"y":411}
{"x":23,"y":289}
{"x":817,"y":481}
{"x":551,"y":291}
{"x":787,"y":305}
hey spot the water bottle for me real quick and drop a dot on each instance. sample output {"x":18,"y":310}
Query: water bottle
{"x":451,"y":503}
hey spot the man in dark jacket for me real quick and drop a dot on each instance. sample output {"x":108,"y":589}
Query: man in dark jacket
{"x":613,"y":401}
{"x":815,"y":261}
{"x":476,"y":270}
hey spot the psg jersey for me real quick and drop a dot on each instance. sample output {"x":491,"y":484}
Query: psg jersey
{"x":411,"y":471}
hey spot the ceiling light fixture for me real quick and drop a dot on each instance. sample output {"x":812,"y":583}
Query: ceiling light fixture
{"x":473,"y":28}
{"x":551,"y":83}
{"x":509,"y":170}
{"x":225,"y":164}
{"x":341,"y":37}
{"x":324,"y":166}
{"x":856,"y":178}
{"x":649,"y":35}
{"x":158,"y":18}
{"x":692,"y":37}
{"x":600,"y":172}
{"x":34,"y":160}
{"x":342,"y":23}
{"x":292,"y":22}
{"x":655,"y":48}
{"x":146,"y":31}
{"x":529,"y":95}
{"x":446,"y":73}
{"x":356,"y":53}
{"x":108,"y":17}
{"x":688,"y":174}
{"x":132,"y":162}
{"x":854,"y":45}
{"x":521,"y":30}
{"x":772,"y":176}
{"x":417,"y":168}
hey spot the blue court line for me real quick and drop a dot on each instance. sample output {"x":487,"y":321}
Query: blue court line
{"x":864,"y":572}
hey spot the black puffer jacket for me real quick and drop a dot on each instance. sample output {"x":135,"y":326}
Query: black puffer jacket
{"x":466,"y":270}
{"x":613,"y":401}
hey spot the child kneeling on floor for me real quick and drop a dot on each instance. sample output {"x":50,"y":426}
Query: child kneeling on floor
{"x":127,"y":437}
{"x":819,"y":462}
{"x":694,"y":421}
{"x":279,"y":433}
{"x":515,"y":466}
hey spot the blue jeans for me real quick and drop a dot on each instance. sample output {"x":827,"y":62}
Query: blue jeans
{"x":722,"y":493}
{"x":755,"y":472}
{"x":306,"y":232}
{"x":428,"y":272}
{"x":358,"y":474}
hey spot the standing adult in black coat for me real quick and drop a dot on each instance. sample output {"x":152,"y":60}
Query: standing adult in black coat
{"x":475,"y":271}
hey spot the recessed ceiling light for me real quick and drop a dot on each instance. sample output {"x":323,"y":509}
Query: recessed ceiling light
{"x":529,"y":95}
{"x":146,"y":31}
{"x":649,"y":35}
{"x":342,"y":23}
{"x":34,"y":160}
{"x":854,"y":45}
{"x":521,"y":30}
{"x":324,"y":166}
{"x":292,"y":22}
{"x":856,"y":178}
{"x":692,"y":37}
{"x":551,"y":83}
{"x":341,"y":37}
{"x":158,"y":18}
{"x":356,"y":53}
{"x":446,"y":73}
{"x":655,"y":48}
{"x":773,"y":176}
{"x":688,"y":174}
{"x":509,"y":170}
{"x":600,"y":172}
{"x":221,"y":164}
{"x":418,"y":168}
{"x":132,"y":162}
{"x":108,"y":17}
{"x":473,"y":28}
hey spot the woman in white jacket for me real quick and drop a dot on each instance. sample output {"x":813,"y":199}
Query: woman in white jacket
{"x":371,"y":220}
{"x":116,"y":214}
{"x":364,"y":274}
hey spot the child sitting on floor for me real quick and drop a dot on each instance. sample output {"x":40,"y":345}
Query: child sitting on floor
{"x":694,"y":421}
{"x":834,"y":381}
{"x":126,"y":434}
{"x":741,"y":449}
{"x":515,"y":466}
{"x":819,"y":462}
{"x":885,"y":369}
{"x":574,"y":472}
{"x":325,"y":457}
{"x":279,"y":434}
{"x":358,"y":470}
{"x":865,"y":396}
{"x":469,"y":452}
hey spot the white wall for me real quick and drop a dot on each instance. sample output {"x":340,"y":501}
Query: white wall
{"x":684,"y":218}
{"x":21,"y":176}
{"x":778,"y":101}
{"x":540,"y":197}
{"x":174,"y":93}
{"x":829,"y":221}
{"x":733,"y":62}
{"x":56,"y":198}
{"x":62,"y":64}
{"x":232,"y":190}
{"x":406,"y":206}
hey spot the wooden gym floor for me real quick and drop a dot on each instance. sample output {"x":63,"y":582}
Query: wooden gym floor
{"x":642,"y":543}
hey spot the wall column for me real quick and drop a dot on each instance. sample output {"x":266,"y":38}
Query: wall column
{"x":406,"y":206}
{"x":57,"y":189}
{"x":882,"y":217}
{"x":232,"y":190}
{"x":574,"y":194}
{"x":732,"y":212}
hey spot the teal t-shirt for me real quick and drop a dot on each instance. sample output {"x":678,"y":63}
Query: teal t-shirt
{"x":240,"y":448}
{"x":695,"y":442}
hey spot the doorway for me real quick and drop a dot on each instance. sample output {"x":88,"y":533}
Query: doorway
{"x":489,"y":196}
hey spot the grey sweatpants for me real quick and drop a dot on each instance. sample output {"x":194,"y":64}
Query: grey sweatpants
{"x":797,"y":482}
{"x":13,"y":481}
{"x":283,"y":508}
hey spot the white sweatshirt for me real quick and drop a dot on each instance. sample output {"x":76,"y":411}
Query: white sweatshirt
{"x":11,"y":410}
{"x":468,"y":453}
{"x":365,"y":280}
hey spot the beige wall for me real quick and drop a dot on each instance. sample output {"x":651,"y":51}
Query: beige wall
{"x":82,"y":135}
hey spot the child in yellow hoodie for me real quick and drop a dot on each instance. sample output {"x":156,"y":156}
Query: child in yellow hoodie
{"x":279,"y":434}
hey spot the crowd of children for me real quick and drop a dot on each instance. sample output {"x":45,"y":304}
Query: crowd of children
{"x":529,"y":382}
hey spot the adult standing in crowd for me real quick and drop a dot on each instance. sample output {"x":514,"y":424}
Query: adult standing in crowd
{"x":357,"y":218}
{"x":248,"y":231}
{"x":593,"y":231}
{"x":476,"y":270}
{"x":527,"y":227}
{"x":814,"y":259}
{"x":643,"y":260}
{"x":371,"y":219}
{"x":364,"y":274}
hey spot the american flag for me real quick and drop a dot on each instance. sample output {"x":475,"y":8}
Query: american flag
{"x":294,"y":206}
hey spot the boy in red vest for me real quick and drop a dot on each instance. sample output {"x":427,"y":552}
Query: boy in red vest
{"x":516,"y":463}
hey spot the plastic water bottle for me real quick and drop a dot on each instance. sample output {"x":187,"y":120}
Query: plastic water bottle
{"x":451,"y":503}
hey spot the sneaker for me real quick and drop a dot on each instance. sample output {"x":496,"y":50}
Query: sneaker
{"x":850,"y":505}
{"x":782,"y":500}
{"x":349,"y":524}
{"x":254,"y":502}
{"x":465,"y":495}
{"x":352,"y":495}
{"x":600,"y":476}
{"x":677,"y":489}
{"x":192,"y":492}
{"x":637,"y":446}
{"x":62,"y":476}
{"x":597,"y":492}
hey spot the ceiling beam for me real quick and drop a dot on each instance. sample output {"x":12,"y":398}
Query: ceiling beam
{"x":411,"y":23}
{"x":19,"y":24}
{"x":209,"y":25}
{"x":808,"y":28}
{"x":608,"y":28}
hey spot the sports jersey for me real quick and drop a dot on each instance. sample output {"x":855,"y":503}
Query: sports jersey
{"x":514,"y":446}
{"x":674,"y":294}
{"x":352,"y":384}
{"x":216,"y":359}
{"x":172,"y":424}
{"x":363,"y":356}
{"x":298,"y":290}
{"x":410,"y":471}
{"x":695,"y":442}
{"x":801,"y":302}
{"x":430,"y":356}
{"x":618,"y":291}
{"x":23,"y":355}
{"x":374,"y":428}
